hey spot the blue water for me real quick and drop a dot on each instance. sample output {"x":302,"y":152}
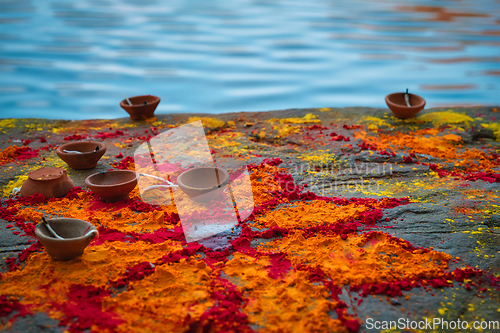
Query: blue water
{"x":75,"y":59}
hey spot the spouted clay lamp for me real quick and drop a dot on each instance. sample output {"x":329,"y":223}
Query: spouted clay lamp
{"x":203,"y":184}
{"x":143,"y":107}
{"x":112,"y":186}
{"x":404,"y":105}
{"x":65,"y":238}
{"x":81,"y":155}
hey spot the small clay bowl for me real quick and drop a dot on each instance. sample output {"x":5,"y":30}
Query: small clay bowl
{"x":75,"y":233}
{"x":89,"y":157}
{"x":396,"y":102}
{"x":203,"y":184}
{"x":138,"y":110}
{"x":114,"y":185}
{"x":49,"y":182}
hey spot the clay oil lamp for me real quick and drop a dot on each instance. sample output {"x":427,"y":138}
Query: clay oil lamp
{"x":203,"y":184}
{"x":81,"y":155}
{"x":114,"y":185}
{"x":140,"y":107}
{"x":404,"y":105}
{"x":49,"y":182}
{"x":65,"y":238}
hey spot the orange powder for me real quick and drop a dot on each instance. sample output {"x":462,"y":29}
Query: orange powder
{"x":88,"y":208}
{"x":8,"y":153}
{"x":307,"y":214}
{"x":264,"y":183}
{"x":164,"y":300}
{"x":292,"y":304}
{"x":98,"y":265}
{"x":273,"y":293}
{"x":426,"y":142}
{"x":360,"y":259}
{"x":418,"y":142}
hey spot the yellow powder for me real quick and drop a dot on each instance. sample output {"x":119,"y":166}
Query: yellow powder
{"x":373,"y":123}
{"x":446,"y":117}
{"x":495,"y":127}
{"x":307,"y":119}
{"x":208,"y":122}
{"x":18,"y":182}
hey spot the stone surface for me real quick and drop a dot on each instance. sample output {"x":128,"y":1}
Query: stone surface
{"x":433,"y":220}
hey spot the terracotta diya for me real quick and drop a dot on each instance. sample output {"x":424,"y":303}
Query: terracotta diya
{"x":74,"y":236}
{"x":114,"y":185}
{"x":404,"y":105}
{"x":49,"y":182}
{"x":143,"y":107}
{"x":203,"y":184}
{"x":81,"y":155}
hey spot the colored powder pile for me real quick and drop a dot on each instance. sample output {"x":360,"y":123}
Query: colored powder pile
{"x":374,"y":123}
{"x":226,"y":143}
{"x":285,"y":130}
{"x":168,"y":300}
{"x":8,"y":153}
{"x":292,"y":303}
{"x":445,"y":117}
{"x":303,"y":214}
{"x":320,"y":157}
{"x":307,"y":119}
{"x":431,"y":142}
{"x":209,"y":123}
{"x":418,"y":142}
{"x":16,"y":183}
{"x":14,"y":153}
{"x":140,"y":275}
{"x":344,"y":261}
{"x":495,"y":127}
{"x":7,"y":123}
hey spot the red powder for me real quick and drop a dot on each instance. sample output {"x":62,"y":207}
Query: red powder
{"x":25,"y":153}
{"x":73,"y":193}
{"x":472,"y":176}
{"x":371,"y":216}
{"x":9,"y":305}
{"x":316,"y":127}
{"x":407,"y":159}
{"x":226,"y":315}
{"x":391,"y":289}
{"x":367,"y":146}
{"x":141,"y":206}
{"x":336,"y":137}
{"x":350,"y":127}
{"x":104,"y":135}
{"x":75,"y":137}
{"x":84,"y":310}
{"x":124,"y":163}
{"x":279,"y":265}
{"x":134,"y":273}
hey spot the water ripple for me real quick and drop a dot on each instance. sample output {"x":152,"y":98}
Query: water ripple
{"x":75,"y":59}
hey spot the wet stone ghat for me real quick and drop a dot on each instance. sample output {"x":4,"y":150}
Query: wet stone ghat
{"x":359,"y":220}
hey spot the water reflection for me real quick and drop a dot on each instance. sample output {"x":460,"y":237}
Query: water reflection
{"x":448,"y":87}
{"x":442,"y":13}
{"x":60,"y":55}
{"x":466,"y":59}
